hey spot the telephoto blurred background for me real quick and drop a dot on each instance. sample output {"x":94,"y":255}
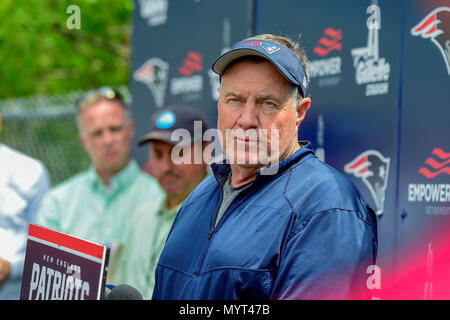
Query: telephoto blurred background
{"x":379,"y":83}
{"x":46,"y":63}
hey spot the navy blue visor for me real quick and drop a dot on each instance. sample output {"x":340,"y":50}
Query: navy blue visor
{"x":279,"y":55}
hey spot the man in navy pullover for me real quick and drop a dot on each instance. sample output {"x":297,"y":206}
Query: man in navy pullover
{"x":273,"y":221}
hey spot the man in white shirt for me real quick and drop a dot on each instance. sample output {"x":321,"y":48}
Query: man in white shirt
{"x":23,"y":182}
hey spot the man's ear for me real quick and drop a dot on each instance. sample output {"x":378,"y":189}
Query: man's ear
{"x":302,"y":109}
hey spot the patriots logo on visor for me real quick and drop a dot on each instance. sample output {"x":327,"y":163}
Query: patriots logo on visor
{"x":270,"y":48}
{"x":373,"y":168}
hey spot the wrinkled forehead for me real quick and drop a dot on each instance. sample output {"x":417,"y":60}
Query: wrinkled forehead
{"x":256,"y":73}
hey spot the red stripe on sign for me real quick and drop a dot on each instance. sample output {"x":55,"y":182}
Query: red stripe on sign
{"x":67,"y":241}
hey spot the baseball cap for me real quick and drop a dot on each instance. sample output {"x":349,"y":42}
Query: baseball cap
{"x":169,"y":119}
{"x":281,"y":57}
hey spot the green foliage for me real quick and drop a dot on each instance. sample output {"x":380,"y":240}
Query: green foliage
{"x":53,"y":142}
{"x":39,"y":54}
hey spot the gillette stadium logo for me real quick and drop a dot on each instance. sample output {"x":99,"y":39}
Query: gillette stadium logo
{"x":437,"y":165}
{"x":328,"y":67}
{"x":436,"y":27}
{"x":373,"y":169}
{"x":191,"y":81}
{"x":372,"y":70}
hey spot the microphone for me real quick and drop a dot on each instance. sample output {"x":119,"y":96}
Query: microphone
{"x":122,"y":292}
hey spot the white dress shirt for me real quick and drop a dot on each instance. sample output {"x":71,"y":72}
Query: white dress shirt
{"x":23,"y":182}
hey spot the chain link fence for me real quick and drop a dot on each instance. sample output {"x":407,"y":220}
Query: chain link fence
{"x":44,"y":127}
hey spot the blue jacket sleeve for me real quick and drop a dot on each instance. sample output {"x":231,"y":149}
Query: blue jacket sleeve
{"x":327,"y":258}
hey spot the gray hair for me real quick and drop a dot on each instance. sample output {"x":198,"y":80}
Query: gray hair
{"x":296,"y":97}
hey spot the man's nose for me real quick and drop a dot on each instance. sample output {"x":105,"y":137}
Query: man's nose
{"x":108,"y":137}
{"x":167,"y":163}
{"x":249,"y":116}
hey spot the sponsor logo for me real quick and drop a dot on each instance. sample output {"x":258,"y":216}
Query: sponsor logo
{"x":154,"y":74}
{"x":372,"y":70}
{"x":329,"y":42}
{"x":191,"y":82}
{"x":327,"y":69}
{"x":438,"y":164}
{"x":192,"y":64}
{"x":373,"y":169}
{"x":166,"y":120}
{"x":436,"y":27}
{"x":154,"y":11}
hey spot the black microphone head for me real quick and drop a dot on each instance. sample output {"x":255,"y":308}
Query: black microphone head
{"x":123,"y":292}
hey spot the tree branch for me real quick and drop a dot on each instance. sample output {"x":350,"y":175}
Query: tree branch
{"x":116,"y":48}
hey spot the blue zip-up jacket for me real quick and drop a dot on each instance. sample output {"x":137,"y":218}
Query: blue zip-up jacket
{"x":302,"y":233}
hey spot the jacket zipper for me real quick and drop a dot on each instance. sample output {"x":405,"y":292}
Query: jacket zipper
{"x":210,"y":233}
{"x":215,"y":216}
{"x":231,"y":207}
{"x":240,"y":198}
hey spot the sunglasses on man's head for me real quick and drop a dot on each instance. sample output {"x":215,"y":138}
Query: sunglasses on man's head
{"x":94,"y":95}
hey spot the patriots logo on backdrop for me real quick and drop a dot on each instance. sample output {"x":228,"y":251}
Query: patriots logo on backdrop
{"x":373,"y":168}
{"x":154,"y":74}
{"x":436,"y":26}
